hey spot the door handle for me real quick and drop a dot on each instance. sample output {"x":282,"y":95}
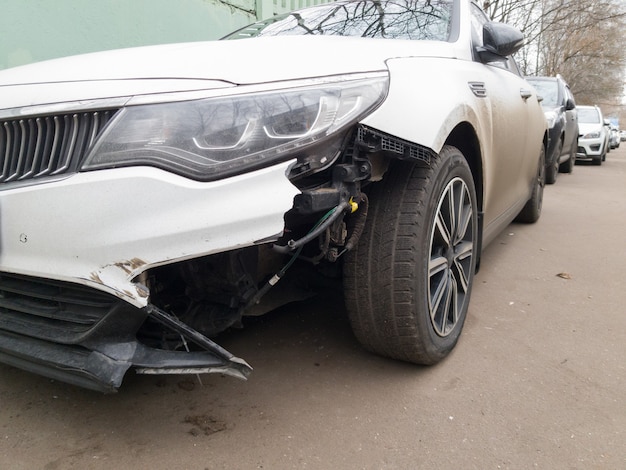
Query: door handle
{"x":525,"y":94}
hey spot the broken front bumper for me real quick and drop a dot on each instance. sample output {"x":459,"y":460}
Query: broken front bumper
{"x":73,"y":253}
{"x":84,"y":337}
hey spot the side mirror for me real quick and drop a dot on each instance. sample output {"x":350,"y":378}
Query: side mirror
{"x":499,"y":41}
{"x":569,"y":104}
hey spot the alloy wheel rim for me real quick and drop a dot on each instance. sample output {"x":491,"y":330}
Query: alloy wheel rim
{"x":451,"y":255}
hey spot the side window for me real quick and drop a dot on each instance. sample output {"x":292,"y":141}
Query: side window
{"x":512,"y":66}
{"x":479,"y":19}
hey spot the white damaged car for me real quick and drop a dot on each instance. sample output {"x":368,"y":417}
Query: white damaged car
{"x":152,"y":198}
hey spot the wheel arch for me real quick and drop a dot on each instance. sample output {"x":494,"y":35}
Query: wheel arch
{"x":562,"y":137}
{"x":464,"y":138}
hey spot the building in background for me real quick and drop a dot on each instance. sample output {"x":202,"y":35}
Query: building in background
{"x":35,"y":30}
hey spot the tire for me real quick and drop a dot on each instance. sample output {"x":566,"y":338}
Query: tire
{"x":598,"y":160}
{"x":553,"y":169}
{"x":568,"y":165}
{"x":532,"y":210}
{"x":407,"y":283}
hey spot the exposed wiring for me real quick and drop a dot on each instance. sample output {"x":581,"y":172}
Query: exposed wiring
{"x":326,"y":220}
{"x":298,"y":245}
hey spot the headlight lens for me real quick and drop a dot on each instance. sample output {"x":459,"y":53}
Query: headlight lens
{"x":212,"y":138}
{"x":592,"y":135}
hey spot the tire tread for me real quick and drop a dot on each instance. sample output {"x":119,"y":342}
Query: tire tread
{"x":380,"y":289}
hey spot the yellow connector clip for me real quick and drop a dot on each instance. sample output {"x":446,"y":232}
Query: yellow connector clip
{"x":353,"y":206}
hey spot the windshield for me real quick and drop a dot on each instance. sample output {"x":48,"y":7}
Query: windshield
{"x":391,"y":19}
{"x":548,"y":90}
{"x":588,"y":115}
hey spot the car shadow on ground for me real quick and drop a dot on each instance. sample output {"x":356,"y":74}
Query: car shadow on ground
{"x":304,"y":340}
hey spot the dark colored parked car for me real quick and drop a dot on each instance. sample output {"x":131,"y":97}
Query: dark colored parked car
{"x":560,"y":110}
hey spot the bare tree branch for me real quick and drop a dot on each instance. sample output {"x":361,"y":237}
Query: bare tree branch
{"x":582,"y":40}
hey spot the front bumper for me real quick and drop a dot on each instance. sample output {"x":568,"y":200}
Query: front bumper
{"x":104,"y":228}
{"x":589,"y":148}
{"x":88,"y":338}
{"x":72,"y":255}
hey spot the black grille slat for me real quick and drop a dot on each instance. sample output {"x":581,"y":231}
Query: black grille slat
{"x":68,"y":143}
{"x":12,"y":150}
{"x":52,"y":300}
{"x":34,"y":149}
{"x":53,"y":142}
{"x":64,"y":313}
{"x":47,"y":149}
{"x":52,"y":312}
{"x":29,"y":149}
{"x":53,"y":145}
{"x":62,"y":332}
{"x":50,"y":292}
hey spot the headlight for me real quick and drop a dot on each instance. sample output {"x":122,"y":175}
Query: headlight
{"x":551,"y":118}
{"x":592,"y":135}
{"x":216,"y":137}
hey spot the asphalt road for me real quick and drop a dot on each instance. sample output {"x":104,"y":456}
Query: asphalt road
{"x":538,"y":379}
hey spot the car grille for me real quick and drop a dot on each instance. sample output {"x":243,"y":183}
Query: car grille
{"x":47,"y":145}
{"x":51,"y":310}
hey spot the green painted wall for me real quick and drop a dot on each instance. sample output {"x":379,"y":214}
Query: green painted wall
{"x":34,"y":30}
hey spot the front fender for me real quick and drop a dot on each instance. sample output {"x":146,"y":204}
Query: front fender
{"x":428,"y":98}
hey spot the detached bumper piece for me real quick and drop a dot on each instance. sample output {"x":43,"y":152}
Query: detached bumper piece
{"x":87,"y":338}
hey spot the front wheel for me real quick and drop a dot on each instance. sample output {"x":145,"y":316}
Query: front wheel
{"x":408,"y":281}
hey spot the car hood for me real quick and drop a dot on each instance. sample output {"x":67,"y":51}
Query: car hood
{"x":199,"y":66}
{"x":587,"y":127}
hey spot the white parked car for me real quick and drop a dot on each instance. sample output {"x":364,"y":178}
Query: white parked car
{"x":593,"y":139}
{"x":152,"y":198}
{"x":614,"y":137}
